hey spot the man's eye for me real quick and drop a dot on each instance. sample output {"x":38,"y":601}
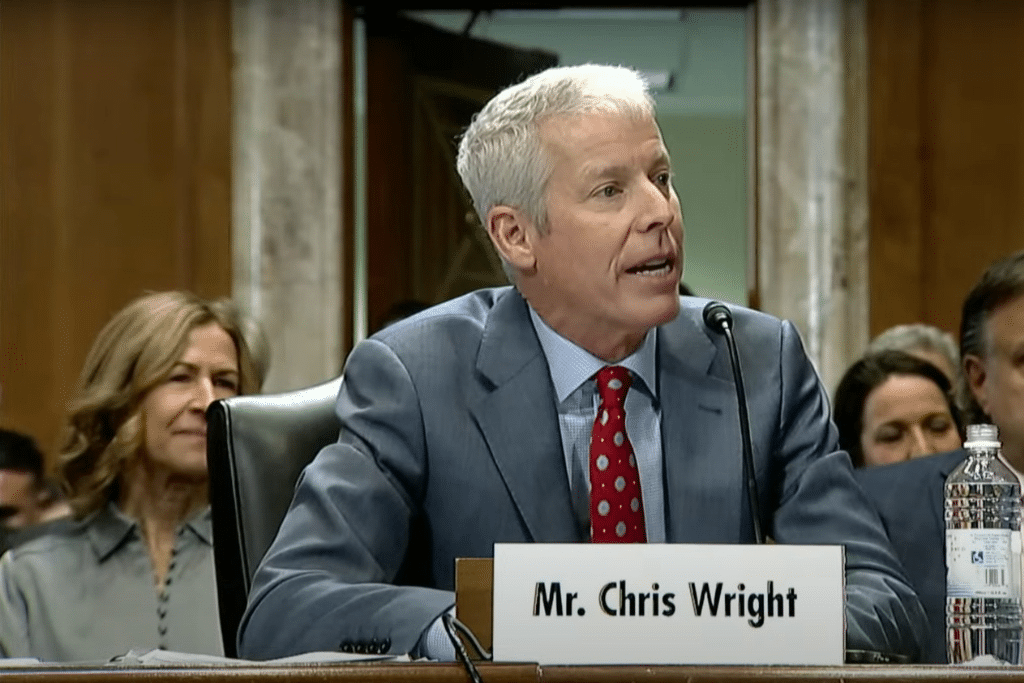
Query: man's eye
{"x":664,"y":178}
{"x":609,"y":191}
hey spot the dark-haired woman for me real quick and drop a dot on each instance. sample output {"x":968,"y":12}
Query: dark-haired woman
{"x":891,"y":406}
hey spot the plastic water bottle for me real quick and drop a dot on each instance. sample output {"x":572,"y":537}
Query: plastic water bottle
{"x":983,"y":548}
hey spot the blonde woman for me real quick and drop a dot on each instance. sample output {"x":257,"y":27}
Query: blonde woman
{"x":136,"y":569}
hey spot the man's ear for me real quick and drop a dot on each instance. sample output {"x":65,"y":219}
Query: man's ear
{"x":975,"y":374}
{"x":513,"y":236}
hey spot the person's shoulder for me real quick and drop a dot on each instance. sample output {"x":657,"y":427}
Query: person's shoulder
{"x":49,"y":566}
{"x":900,"y":478}
{"x":470,"y":309}
{"x":753,"y":329}
{"x":940,"y":463}
{"x":454,"y":328}
{"x":691,"y":308}
{"x":58,"y":536}
{"x":57,"y":526}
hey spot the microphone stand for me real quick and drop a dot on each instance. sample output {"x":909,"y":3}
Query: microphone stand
{"x":718,"y":317}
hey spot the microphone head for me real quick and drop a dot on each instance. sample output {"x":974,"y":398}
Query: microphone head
{"x":717,"y":316}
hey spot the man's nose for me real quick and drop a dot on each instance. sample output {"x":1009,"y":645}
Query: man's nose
{"x":658,"y":206}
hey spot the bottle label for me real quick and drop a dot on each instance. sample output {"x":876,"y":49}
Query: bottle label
{"x":980,"y":563}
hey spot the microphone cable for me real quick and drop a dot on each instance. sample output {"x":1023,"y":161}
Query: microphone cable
{"x":453,"y":627}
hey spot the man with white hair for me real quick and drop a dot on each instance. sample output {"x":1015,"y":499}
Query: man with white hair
{"x":588,"y":402}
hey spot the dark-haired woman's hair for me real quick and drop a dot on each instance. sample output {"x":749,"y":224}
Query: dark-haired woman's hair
{"x":865,"y":376}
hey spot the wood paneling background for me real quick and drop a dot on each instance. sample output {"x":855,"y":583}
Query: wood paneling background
{"x":115,"y":168}
{"x":946,"y":146}
{"x":114,"y":176}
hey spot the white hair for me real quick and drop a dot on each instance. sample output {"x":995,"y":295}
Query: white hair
{"x":501,"y":159}
{"x":918,"y":337}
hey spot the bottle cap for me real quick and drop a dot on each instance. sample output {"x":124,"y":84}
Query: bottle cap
{"x":982,"y":436}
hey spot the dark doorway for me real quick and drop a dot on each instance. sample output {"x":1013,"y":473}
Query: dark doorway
{"x":423,"y":85}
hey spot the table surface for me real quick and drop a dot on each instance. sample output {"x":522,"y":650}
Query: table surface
{"x":378,"y":672}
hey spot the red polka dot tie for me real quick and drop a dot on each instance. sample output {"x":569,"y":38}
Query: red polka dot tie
{"x":616,"y":510}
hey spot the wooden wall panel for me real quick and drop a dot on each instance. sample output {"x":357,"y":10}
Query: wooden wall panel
{"x":946,"y":152}
{"x":389,"y":223}
{"x":115,"y":178}
{"x":894,"y":159}
{"x":973,"y":123}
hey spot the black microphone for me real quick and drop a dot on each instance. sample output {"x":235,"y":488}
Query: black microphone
{"x":718,"y":318}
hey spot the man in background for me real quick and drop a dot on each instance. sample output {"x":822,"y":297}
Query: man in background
{"x":29,"y":503}
{"x":909,"y":495}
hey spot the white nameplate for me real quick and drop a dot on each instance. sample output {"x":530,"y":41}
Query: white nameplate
{"x":668,"y":604}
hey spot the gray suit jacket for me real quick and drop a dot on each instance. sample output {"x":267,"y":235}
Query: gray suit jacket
{"x":450,"y":443}
{"x":909,"y":497}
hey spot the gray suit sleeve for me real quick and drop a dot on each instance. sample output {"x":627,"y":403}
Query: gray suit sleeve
{"x":821,"y":503}
{"x":329,"y":576}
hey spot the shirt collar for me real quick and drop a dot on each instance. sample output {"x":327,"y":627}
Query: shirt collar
{"x":571,"y":365}
{"x":109,"y":528}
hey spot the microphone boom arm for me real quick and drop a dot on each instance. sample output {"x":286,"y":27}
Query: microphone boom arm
{"x":748,"y":449}
{"x":718,"y":317}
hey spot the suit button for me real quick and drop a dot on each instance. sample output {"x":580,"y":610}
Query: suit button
{"x":386,"y":644}
{"x":361,"y":648}
{"x":346,"y":646}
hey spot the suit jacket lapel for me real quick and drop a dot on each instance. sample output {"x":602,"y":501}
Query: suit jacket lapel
{"x":700,"y":437}
{"x":520,"y":423}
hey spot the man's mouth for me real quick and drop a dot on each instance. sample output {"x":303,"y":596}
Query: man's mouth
{"x":653,"y":268}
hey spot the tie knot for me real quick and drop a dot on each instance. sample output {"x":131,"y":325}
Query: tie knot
{"x":612,"y":384}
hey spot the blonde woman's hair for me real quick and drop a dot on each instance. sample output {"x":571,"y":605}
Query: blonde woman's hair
{"x":134,"y":352}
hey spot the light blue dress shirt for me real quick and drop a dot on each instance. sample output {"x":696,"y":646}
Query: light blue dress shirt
{"x":572,"y":373}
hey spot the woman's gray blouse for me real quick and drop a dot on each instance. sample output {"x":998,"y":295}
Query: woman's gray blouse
{"x":87,"y":593}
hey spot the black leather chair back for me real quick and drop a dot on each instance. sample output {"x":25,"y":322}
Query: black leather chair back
{"x":257,"y":446}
